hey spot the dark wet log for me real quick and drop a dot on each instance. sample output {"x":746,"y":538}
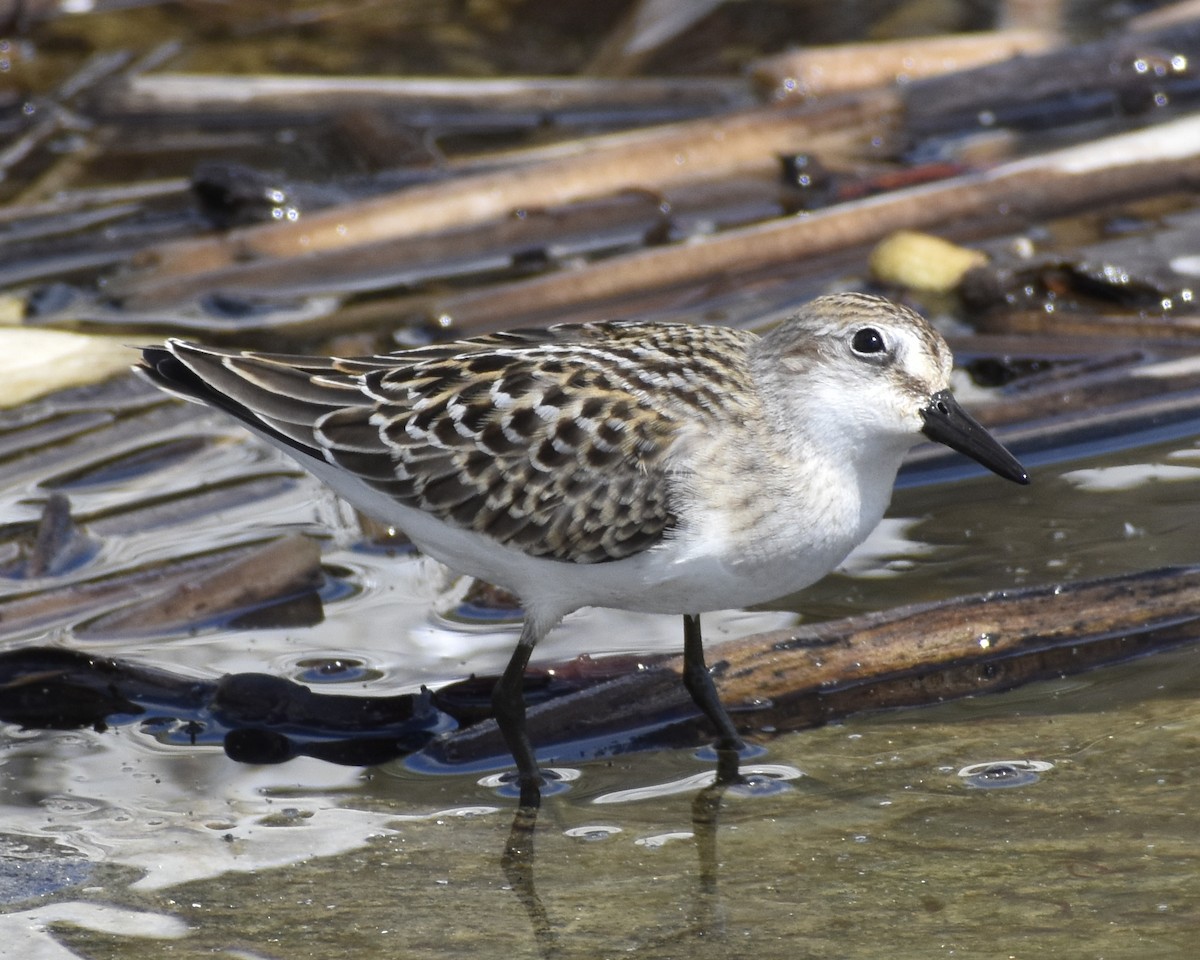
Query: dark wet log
{"x":793,"y":679}
{"x":1128,"y":75}
{"x":267,"y":575}
{"x":141,"y":588}
{"x":970,"y":645}
{"x":783,"y":680}
{"x":258,"y":718}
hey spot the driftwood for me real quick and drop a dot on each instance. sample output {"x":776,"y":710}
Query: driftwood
{"x":861,"y":66}
{"x":1168,"y":159}
{"x":1157,"y":160}
{"x":641,"y":159}
{"x":911,"y":656}
{"x":779,"y":681}
{"x":442,"y":102}
{"x":600,"y":224}
{"x":1080,"y":81}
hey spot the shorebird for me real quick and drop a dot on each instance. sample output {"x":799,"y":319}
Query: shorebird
{"x":660,"y":467}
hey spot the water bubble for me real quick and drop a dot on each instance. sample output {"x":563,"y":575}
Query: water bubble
{"x":592,"y":832}
{"x":1001,"y":774}
{"x":68,"y":805}
{"x":334,"y":670}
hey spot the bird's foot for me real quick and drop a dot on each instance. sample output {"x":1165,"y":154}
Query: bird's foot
{"x":727,"y":753}
{"x":544,"y":782}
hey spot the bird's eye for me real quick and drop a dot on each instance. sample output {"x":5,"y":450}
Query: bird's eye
{"x":867,"y":341}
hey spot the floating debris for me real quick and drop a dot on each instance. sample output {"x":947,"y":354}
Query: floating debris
{"x":34,"y":363}
{"x":920,"y":261}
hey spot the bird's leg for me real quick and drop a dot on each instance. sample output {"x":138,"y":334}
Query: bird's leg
{"x":508,"y":705}
{"x":699,"y":684}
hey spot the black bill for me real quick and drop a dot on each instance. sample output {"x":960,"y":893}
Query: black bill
{"x":948,"y":423}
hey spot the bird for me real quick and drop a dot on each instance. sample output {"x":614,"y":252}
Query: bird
{"x":664,"y":467}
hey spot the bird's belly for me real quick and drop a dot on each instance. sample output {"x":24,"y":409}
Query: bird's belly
{"x":718,"y":582}
{"x":708,"y":570}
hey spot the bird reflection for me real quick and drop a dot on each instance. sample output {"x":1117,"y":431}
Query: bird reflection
{"x":518,"y":861}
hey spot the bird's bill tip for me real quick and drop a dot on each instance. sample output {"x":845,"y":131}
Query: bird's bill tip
{"x":948,"y":423}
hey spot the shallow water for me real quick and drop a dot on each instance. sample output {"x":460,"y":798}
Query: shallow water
{"x":880,"y":846}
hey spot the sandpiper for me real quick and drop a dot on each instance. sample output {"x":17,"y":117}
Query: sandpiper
{"x":661,"y":467}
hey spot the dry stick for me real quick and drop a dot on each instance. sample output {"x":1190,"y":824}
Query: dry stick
{"x":122,"y":197}
{"x":177,"y":92}
{"x":1170,"y":15}
{"x":660,"y":157}
{"x":411,"y":259}
{"x":860,"y":66}
{"x":1155,"y":159}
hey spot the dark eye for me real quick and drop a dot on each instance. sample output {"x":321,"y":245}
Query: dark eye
{"x":868,"y":340}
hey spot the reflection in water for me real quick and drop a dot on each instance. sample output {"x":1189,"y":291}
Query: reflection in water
{"x":593,"y":832}
{"x":662,"y":839}
{"x":27,"y":934}
{"x":517,"y":863}
{"x":703,"y":911}
{"x":756,"y":779}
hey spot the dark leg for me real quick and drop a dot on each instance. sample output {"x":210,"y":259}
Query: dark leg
{"x":508,"y":704}
{"x":699,"y":684}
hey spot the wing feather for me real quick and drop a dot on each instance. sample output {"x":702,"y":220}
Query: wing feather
{"x":558,"y":442}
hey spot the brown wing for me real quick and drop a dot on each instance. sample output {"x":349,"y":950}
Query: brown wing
{"x":556,"y":441}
